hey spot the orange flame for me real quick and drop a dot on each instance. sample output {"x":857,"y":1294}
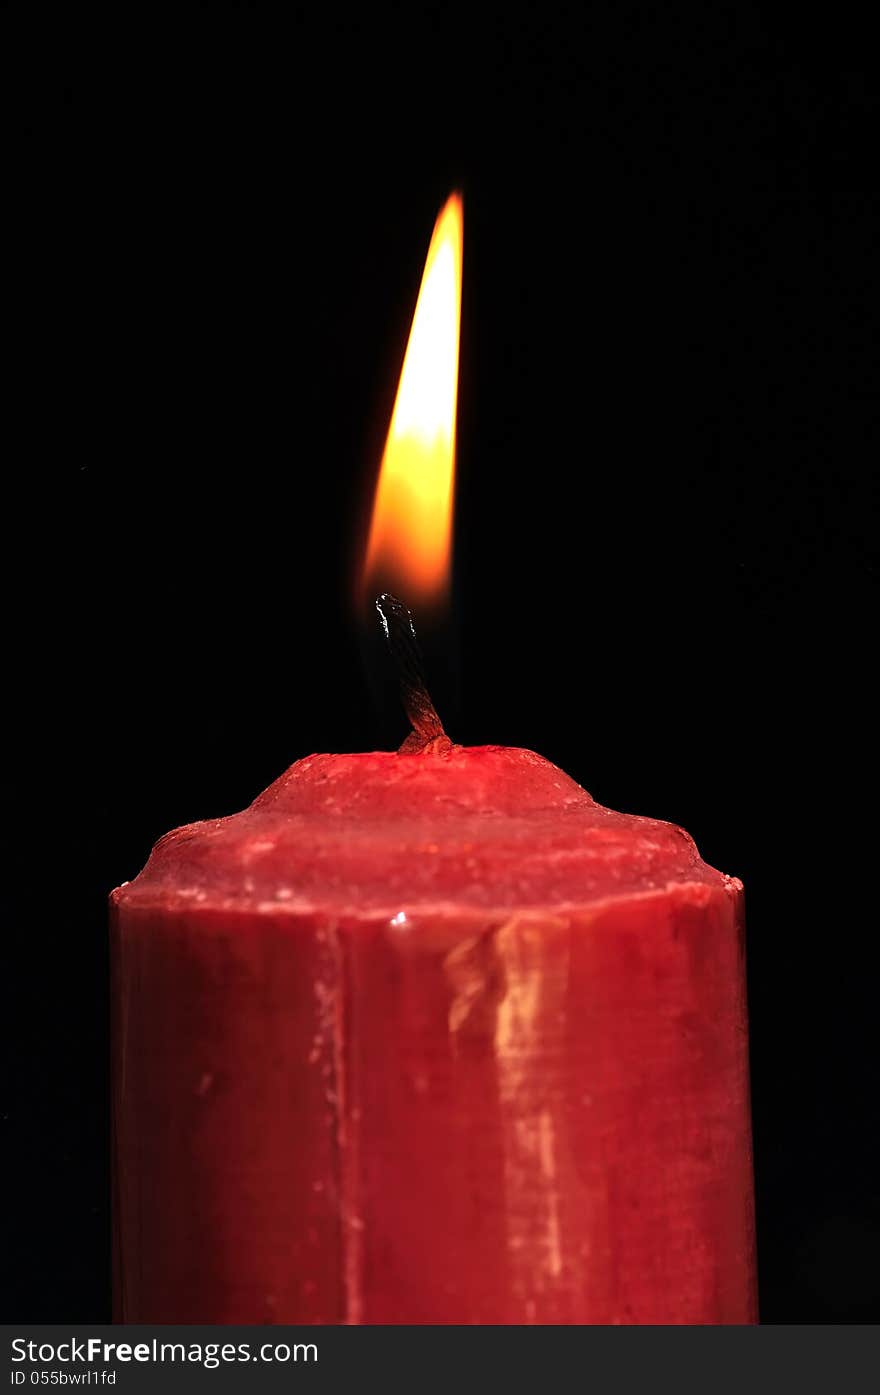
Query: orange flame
{"x":409,"y":550}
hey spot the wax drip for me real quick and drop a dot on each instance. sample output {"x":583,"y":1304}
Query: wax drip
{"x":400,"y":633}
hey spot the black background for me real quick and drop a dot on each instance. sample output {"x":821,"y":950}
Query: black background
{"x":664,"y":557}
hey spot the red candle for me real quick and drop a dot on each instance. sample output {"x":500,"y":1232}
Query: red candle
{"x":431,"y":1037}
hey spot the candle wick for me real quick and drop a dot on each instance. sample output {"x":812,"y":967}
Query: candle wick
{"x":400,"y":632}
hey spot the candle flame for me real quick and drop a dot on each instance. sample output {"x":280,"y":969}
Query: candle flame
{"x":409,"y":550}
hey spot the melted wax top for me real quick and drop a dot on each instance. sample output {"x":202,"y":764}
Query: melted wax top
{"x":481,"y":827}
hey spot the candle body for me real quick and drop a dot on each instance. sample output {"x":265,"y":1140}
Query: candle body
{"x":352,"y":1084}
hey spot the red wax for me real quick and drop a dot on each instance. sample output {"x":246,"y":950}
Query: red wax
{"x":431,"y":1038}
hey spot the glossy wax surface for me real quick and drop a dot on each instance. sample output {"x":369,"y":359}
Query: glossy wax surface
{"x":430,"y":1038}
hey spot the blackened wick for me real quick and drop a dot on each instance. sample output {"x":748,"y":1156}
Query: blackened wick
{"x":400,"y":632}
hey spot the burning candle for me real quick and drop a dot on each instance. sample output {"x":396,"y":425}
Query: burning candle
{"x":430,"y":1036}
